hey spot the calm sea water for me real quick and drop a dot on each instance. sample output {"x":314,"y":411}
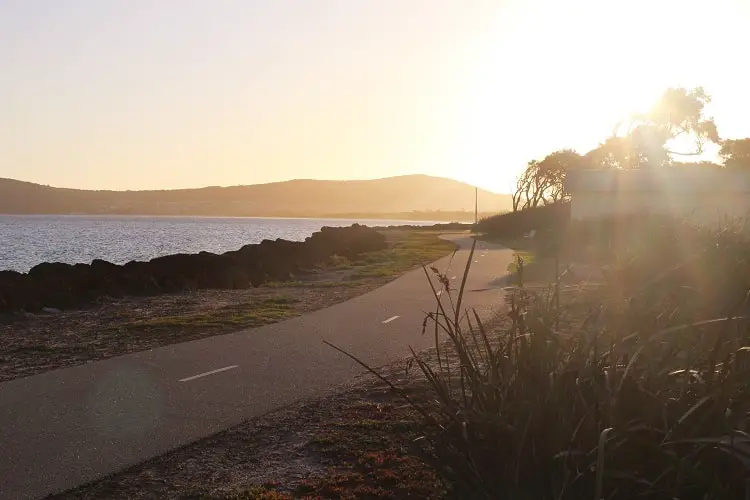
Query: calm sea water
{"x":27,"y":240}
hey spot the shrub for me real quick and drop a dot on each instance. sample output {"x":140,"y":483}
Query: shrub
{"x":631,"y":402}
{"x":645,"y":393}
{"x":516,"y":224}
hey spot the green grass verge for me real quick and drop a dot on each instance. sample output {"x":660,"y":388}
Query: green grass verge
{"x":407,"y":250}
{"x":267,"y":311}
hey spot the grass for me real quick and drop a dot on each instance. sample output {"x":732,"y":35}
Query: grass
{"x":280,"y":301}
{"x":521,"y":258}
{"x":538,"y":265}
{"x":317,"y":284}
{"x":407,"y":249}
{"x":265,"y":312}
{"x":638,"y":389}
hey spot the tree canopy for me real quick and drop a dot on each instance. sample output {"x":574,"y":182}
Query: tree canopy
{"x":678,"y":115}
{"x":543,"y":182}
{"x":735,"y":153}
{"x":677,"y":120}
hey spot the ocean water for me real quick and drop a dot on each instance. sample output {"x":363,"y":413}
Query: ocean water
{"x":27,"y":240}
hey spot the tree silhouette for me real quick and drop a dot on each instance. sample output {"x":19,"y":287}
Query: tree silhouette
{"x":735,"y":153}
{"x":614,"y":152}
{"x":543,"y":182}
{"x":678,"y":114}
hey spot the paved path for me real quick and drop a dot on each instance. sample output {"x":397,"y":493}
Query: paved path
{"x":67,"y":427}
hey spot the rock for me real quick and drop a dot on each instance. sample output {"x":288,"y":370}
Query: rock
{"x":53,"y":285}
{"x":107,"y":277}
{"x":16,"y":293}
{"x":57,"y":284}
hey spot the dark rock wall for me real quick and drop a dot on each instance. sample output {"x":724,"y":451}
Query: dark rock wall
{"x":53,"y":284}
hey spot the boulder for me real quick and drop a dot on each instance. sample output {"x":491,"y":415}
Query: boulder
{"x":16,"y":293}
{"x":107,"y":278}
{"x":57,"y":284}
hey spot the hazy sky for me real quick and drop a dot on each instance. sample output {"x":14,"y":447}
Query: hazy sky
{"x":131,"y":94}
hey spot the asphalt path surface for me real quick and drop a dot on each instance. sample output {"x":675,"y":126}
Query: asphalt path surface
{"x":67,"y":427}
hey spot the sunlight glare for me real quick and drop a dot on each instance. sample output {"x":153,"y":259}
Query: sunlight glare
{"x":585,"y":66}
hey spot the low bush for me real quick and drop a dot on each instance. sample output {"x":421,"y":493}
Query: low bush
{"x":516,"y":224}
{"x":636,"y":387}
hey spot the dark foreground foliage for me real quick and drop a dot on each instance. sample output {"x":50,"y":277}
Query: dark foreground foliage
{"x":644,"y":395}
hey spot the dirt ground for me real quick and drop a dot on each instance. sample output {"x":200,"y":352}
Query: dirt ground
{"x":34,"y":343}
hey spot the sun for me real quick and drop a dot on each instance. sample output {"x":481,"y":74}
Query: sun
{"x":565,"y":75}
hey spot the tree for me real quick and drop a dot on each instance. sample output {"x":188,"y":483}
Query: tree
{"x":677,"y":115}
{"x":735,"y":153}
{"x":615,"y":152}
{"x":543,"y":182}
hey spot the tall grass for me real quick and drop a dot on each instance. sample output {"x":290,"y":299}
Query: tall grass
{"x":643,"y":393}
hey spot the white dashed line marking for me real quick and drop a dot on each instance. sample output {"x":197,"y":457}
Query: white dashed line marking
{"x":206,"y":374}
{"x":390,"y":319}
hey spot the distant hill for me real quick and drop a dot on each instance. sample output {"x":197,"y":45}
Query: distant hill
{"x":394,"y":196}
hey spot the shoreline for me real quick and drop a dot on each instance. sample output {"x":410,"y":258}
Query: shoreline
{"x":32,"y":343}
{"x":63,"y":286}
{"x":19,"y":264}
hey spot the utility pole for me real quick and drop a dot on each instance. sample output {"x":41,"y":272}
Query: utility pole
{"x":476,"y":205}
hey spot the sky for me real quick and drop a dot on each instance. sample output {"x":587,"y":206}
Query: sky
{"x":147,"y":94}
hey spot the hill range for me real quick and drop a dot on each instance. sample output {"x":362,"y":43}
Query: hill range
{"x":403,"y":197}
